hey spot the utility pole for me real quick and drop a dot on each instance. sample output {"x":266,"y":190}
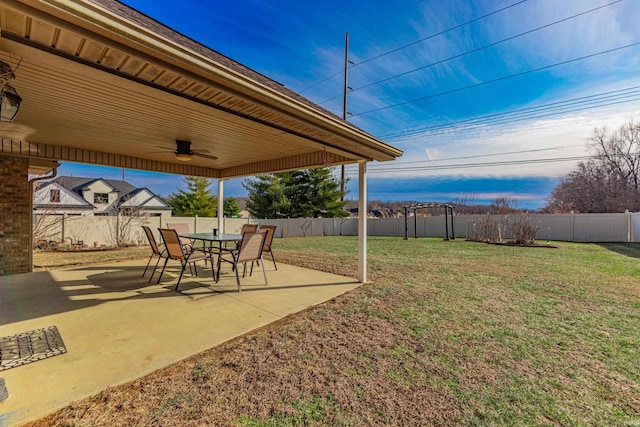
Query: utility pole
{"x":344,"y":103}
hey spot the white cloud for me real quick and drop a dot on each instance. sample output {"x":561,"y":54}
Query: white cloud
{"x":556,"y":137}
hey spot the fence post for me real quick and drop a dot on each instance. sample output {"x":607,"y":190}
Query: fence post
{"x":453,"y":233}
{"x":406,"y":223}
{"x":62,"y":228}
{"x":572,"y":221}
{"x":118,"y":234}
{"x":446,"y":224}
{"x":628,"y":214}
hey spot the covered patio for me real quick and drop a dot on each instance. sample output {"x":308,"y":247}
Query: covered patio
{"x":103,"y":84}
{"x":116,"y":327}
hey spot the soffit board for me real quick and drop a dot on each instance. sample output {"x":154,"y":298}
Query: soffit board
{"x":81,"y":92}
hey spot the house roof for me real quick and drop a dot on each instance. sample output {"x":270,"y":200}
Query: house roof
{"x":77,"y":184}
{"x":81,"y":202}
{"x":135,"y":192}
{"x":74,"y":187}
{"x":102,"y":83}
{"x":153,"y":25}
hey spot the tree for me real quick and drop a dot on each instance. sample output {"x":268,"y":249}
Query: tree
{"x":196,"y":200}
{"x":503,"y":205}
{"x":126,"y":216}
{"x":307,"y":193}
{"x":266,"y":196}
{"x":610,"y":182}
{"x":314,"y":193}
{"x":591,"y":187}
{"x":620,"y":151}
{"x":231,"y":207}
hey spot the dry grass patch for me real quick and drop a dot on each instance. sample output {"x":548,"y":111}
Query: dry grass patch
{"x":47,"y":260}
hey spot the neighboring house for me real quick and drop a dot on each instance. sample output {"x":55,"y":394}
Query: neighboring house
{"x":378,"y":213}
{"x":95,"y":196}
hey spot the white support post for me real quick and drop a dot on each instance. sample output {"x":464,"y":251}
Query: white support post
{"x":362,"y":221}
{"x":220,"y":206}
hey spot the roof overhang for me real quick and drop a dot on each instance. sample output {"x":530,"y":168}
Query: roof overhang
{"x":104,"y":84}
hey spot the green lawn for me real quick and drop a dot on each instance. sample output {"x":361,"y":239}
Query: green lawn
{"x":446,"y":333}
{"x":510,"y":335}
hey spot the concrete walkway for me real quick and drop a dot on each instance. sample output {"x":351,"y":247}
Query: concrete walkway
{"x":117,"y":328}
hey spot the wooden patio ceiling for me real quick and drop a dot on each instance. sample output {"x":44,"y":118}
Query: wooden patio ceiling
{"x":104,"y":84}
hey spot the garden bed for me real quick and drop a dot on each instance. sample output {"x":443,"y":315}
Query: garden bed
{"x":508,"y":243}
{"x":84,"y":249}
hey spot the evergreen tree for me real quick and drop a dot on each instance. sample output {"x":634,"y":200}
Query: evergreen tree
{"x":196,"y":200}
{"x":231,"y":208}
{"x":299,"y":194}
{"x":267,"y":197}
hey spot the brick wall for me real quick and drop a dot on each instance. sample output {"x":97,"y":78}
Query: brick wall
{"x":14,"y":215}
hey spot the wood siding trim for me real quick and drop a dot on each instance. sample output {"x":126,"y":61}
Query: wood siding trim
{"x":73,"y":154}
{"x":303,"y":161}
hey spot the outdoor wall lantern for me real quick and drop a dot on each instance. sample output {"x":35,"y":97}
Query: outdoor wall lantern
{"x":9,"y":99}
{"x":9,"y":104}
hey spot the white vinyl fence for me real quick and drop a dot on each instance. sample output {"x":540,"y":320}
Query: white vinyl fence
{"x":101,"y":230}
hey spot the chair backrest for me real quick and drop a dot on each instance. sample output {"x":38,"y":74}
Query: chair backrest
{"x":181,"y":228}
{"x":271,"y":231}
{"x":248,"y":227}
{"x":252,"y":245}
{"x":172,"y":243}
{"x":152,"y":240}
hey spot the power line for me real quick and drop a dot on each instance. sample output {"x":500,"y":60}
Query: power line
{"x":441,"y":32}
{"x":483,"y":164}
{"x":321,"y":81}
{"x":544,"y":110}
{"x":410,"y":44}
{"x":531,"y":117}
{"x":478,"y":49}
{"x":477,"y":156}
{"x":448,"y":92}
{"x":392,"y":169}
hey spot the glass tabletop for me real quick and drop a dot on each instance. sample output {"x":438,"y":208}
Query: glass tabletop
{"x":209,"y":236}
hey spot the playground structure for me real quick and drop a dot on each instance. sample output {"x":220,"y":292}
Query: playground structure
{"x":448,"y":212}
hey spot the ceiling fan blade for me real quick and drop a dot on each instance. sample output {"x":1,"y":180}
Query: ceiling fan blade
{"x":206,"y":156}
{"x":184,"y":147}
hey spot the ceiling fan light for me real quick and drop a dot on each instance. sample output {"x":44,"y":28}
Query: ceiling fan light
{"x":183,"y":157}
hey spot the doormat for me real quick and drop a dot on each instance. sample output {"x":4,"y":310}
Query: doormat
{"x":20,"y":349}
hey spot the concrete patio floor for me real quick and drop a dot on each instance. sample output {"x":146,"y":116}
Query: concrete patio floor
{"x":116,"y":327}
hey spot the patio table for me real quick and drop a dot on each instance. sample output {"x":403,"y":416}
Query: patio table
{"x":209,"y":239}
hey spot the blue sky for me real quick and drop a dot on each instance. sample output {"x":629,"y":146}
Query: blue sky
{"x":496,"y":106}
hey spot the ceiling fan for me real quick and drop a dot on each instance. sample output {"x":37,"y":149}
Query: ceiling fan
{"x":184,"y":152}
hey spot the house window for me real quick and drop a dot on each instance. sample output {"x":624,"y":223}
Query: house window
{"x":54,"y":196}
{"x":101,"y":198}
